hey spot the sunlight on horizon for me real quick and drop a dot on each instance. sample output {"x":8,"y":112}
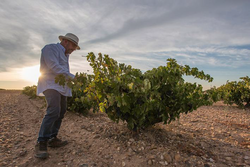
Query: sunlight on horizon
{"x":31,"y":73}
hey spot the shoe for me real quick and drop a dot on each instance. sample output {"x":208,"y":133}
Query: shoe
{"x":55,"y":142}
{"x":41,"y":150}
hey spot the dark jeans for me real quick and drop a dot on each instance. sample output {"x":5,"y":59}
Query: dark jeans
{"x":56,"y":108}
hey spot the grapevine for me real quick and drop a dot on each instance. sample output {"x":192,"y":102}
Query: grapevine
{"x":80,"y":101}
{"x":158,"y":95}
{"x":236,"y":92}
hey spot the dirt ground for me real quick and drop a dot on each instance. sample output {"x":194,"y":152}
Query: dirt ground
{"x":217,"y":135}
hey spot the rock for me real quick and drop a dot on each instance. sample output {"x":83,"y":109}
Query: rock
{"x":167,"y":158}
{"x":130,"y":150}
{"x":132,"y":140}
{"x":246,"y":157}
{"x":150,"y":162}
{"x":187,"y":163}
{"x":153,"y":147}
{"x":97,"y":136}
{"x":200,"y":163}
{"x":152,"y":157}
{"x":123,"y":164}
{"x":177,"y":157}
{"x":83,"y":165}
{"x":22,"y":153}
{"x":164,"y":163}
{"x":68,"y":162}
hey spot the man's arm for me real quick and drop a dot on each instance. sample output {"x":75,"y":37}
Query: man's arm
{"x":50,"y":57}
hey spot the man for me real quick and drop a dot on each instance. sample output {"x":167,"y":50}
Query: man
{"x":54,"y":61}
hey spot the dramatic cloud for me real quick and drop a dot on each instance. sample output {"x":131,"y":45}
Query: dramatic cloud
{"x":211,"y":35}
{"x":175,"y":15}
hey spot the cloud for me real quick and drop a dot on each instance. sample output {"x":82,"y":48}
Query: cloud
{"x":178,"y":14}
{"x":209,"y":34}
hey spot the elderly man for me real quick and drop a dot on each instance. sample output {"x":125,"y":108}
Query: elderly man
{"x":54,"y":60}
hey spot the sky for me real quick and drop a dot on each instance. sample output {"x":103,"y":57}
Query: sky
{"x":212,"y":35}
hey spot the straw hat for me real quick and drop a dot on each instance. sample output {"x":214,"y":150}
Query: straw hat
{"x":71,"y":37}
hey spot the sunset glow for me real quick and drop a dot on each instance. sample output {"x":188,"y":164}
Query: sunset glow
{"x":30,"y":73}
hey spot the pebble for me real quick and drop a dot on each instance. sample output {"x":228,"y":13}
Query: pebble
{"x":187,"y":163}
{"x":106,"y":156}
{"x":152,"y":157}
{"x":97,"y":136}
{"x":130,"y":150}
{"x":164,"y":163}
{"x":177,"y":157}
{"x":153,"y":147}
{"x":150,"y":162}
{"x":22,"y":153}
{"x":167,"y":157}
{"x":131,"y":140}
{"x":123,"y":164}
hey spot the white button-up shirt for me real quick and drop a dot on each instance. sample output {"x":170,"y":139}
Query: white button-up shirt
{"x":52,"y":63}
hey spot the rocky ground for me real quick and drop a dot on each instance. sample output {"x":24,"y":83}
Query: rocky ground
{"x":217,"y":135}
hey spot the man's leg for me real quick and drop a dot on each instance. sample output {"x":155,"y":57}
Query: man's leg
{"x":57,"y":124}
{"x":54,"y":141}
{"x":53,"y":99}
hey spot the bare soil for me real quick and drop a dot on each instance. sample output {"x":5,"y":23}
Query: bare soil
{"x":217,"y":135}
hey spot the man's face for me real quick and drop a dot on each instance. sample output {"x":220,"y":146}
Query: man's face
{"x":70,"y":47}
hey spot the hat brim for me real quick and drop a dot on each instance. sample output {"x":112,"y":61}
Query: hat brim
{"x":63,"y":37}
